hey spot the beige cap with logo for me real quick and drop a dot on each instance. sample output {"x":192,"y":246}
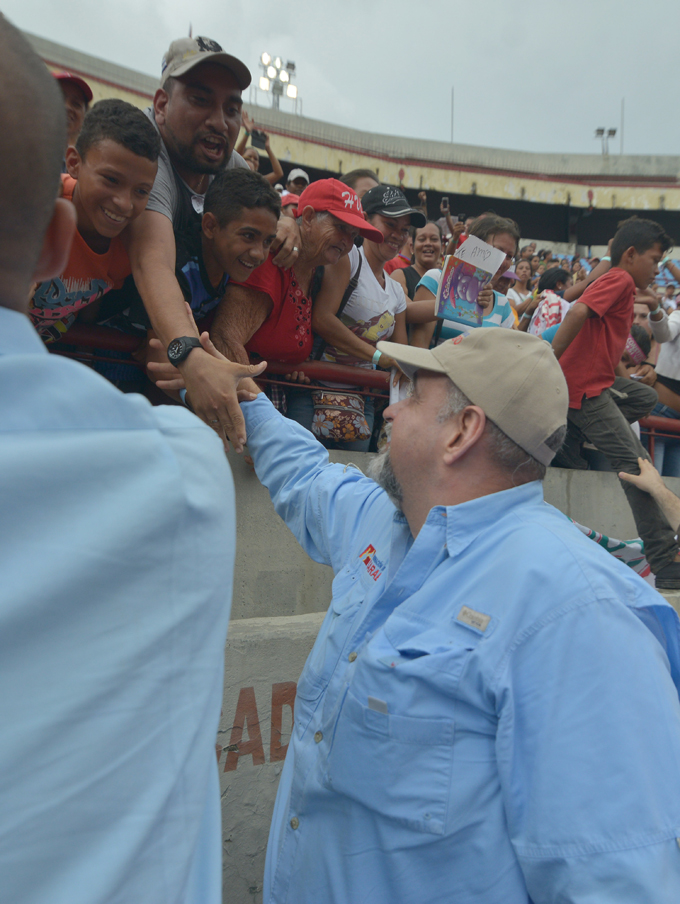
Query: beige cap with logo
{"x":514,"y":377}
{"x":185,"y":53}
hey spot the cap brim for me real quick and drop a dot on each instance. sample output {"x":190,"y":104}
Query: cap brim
{"x":418,"y":219}
{"x":240,"y":70}
{"x":369,"y":232}
{"x":78,"y":82}
{"x":411,"y":359}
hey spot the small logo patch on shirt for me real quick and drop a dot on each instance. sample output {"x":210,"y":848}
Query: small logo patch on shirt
{"x":473,"y":618}
{"x":373,"y":564}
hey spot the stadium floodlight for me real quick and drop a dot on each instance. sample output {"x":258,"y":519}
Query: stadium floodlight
{"x":277,"y":78}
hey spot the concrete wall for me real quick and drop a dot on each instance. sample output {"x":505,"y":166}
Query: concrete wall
{"x":280,"y":598}
{"x":275,"y":578}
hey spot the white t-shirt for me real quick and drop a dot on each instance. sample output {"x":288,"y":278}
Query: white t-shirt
{"x":515,"y":298}
{"x":371,"y":311}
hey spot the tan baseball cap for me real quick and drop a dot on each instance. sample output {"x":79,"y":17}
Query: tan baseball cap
{"x":514,"y":377}
{"x":185,"y":53}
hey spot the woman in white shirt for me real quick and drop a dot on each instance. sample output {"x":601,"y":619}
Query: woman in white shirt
{"x":376,"y":309}
{"x":520,"y":293}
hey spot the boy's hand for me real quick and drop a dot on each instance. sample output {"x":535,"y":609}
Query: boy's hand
{"x":646,"y":372}
{"x":485,"y":300}
{"x":248,"y":123}
{"x":647,"y":296}
{"x":286,"y":245}
{"x":648,"y":479}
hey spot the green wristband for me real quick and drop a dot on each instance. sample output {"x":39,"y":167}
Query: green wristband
{"x":606,"y":258}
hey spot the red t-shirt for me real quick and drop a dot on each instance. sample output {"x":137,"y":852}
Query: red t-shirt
{"x":397,"y":263}
{"x":286,"y":335}
{"x":589,"y":362}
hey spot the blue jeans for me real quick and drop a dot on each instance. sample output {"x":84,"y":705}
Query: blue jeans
{"x":667,"y":451}
{"x":301,"y":409}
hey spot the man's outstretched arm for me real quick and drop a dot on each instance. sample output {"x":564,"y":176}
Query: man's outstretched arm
{"x":210,"y":383}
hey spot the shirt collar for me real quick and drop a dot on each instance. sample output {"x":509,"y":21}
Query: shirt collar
{"x":17,"y":336}
{"x":464,"y":522}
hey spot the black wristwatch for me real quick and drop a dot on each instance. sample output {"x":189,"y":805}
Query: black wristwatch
{"x":180,"y":348}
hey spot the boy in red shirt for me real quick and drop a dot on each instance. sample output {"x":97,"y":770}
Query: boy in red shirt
{"x":602,"y":401}
{"x":111,"y":171}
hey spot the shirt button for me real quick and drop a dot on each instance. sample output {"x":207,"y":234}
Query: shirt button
{"x":318,"y":737}
{"x":352,"y":656}
{"x":294,"y":823}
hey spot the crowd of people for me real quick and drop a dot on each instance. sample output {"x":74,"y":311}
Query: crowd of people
{"x":490,"y":711}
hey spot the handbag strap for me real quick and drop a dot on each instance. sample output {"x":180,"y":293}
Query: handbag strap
{"x":351,"y":286}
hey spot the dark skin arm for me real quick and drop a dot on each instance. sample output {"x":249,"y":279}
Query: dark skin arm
{"x":570,"y":327}
{"x":239,"y":316}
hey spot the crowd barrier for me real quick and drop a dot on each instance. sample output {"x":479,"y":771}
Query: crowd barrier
{"x":658,"y":428}
{"x":82,"y":342}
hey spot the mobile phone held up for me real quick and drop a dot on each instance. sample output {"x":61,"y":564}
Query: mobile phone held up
{"x":258,"y":139}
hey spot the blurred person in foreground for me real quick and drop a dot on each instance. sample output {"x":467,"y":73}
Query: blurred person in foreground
{"x":111,"y":630}
{"x":490,"y":711}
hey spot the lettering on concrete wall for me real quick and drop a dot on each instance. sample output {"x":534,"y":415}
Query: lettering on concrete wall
{"x":247,"y":719}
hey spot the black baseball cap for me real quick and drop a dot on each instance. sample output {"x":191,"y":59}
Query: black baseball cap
{"x":391,"y":202}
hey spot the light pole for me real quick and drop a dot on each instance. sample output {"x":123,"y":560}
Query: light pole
{"x":605,"y":135}
{"x":277,"y":79}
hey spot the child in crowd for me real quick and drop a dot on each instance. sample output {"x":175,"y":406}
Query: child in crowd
{"x":602,"y":402}
{"x":111,"y":171}
{"x":238,"y":226}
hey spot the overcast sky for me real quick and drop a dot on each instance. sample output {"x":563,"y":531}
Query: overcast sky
{"x":535,"y":76}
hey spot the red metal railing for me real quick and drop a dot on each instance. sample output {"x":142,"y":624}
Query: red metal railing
{"x":82,"y":342}
{"x":659,"y":428}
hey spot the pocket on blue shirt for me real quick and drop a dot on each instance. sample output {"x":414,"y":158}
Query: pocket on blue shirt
{"x":399,"y":767}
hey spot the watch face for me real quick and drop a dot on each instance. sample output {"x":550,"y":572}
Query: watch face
{"x":175,"y":349}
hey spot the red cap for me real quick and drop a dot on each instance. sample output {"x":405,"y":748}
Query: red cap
{"x":335,"y":197}
{"x":75,"y":80}
{"x":287,"y":197}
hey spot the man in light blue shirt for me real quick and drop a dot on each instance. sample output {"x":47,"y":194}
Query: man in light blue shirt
{"x":117,"y":526}
{"x":490,"y":712}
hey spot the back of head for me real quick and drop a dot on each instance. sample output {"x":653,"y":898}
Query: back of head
{"x":550,"y":279}
{"x":490,"y":224}
{"x":116,"y":120}
{"x":30,"y":156}
{"x":234,"y":189}
{"x":641,"y":337}
{"x":354,"y":176}
{"x":639,"y":234}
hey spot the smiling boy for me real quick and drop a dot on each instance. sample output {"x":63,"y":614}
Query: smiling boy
{"x":240,"y":215}
{"x":602,"y":401}
{"x":111,"y":171}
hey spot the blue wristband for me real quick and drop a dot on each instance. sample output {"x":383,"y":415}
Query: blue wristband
{"x":183,"y":396}
{"x":376,"y":358}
